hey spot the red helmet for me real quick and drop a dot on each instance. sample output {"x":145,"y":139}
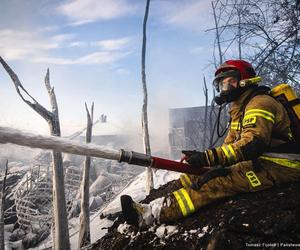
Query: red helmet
{"x":240,"y":70}
{"x":245,"y":69}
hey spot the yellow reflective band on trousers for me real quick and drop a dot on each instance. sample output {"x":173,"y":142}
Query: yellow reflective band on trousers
{"x":261,"y":113}
{"x":282,"y":161}
{"x":229,"y":153}
{"x":253,"y":179}
{"x":184,"y":201}
{"x":185,"y":180}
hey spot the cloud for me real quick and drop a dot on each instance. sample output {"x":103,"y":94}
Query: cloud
{"x":107,"y":45}
{"x":19,"y":44}
{"x":193,"y":15}
{"x":60,"y":38}
{"x":86,"y":11}
{"x":102,"y":57}
{"x":112,"y":44}
{"x":122,"y":71}
{"x":79,"y":44}
{"x":33,"y":47}
{"x":48,"y":28}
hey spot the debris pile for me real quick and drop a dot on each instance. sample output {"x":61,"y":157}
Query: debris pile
{"x":266,"y":219}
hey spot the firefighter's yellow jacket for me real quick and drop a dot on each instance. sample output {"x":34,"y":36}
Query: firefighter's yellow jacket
{"x":256,"y":128}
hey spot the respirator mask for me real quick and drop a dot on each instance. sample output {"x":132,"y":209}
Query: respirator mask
{"x":227,"y":85}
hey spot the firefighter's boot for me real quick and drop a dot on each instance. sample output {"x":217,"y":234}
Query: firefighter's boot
{"x":140,"y":215}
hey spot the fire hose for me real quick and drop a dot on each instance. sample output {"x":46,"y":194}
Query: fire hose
{"x":58,"y":144}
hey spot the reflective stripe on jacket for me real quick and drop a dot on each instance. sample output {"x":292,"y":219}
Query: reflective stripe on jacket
{"x":286,"y":160}
{"x":252,"y":132}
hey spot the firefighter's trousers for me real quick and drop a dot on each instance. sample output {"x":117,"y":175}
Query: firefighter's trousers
{"x":241,"y":179}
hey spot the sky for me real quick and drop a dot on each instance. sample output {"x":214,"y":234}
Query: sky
{"x":93,"y":51}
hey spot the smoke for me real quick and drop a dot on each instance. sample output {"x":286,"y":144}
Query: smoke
{"x":16,"y":153}
{"x":160,"y":101}
{"x":9,"y":135}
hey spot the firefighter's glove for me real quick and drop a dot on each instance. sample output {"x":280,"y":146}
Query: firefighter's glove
{"x":195,"y":158}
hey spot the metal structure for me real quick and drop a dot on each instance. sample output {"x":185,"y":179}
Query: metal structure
{"x":33,"y":197}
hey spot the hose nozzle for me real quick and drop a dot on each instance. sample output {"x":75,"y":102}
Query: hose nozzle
{"x":135,"y":158}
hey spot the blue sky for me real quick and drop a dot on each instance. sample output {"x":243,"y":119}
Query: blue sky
{"x":93,"y":50}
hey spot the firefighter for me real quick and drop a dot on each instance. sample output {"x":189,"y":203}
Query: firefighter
{"x":258,"y":153}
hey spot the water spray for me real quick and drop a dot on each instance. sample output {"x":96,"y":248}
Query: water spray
{"x":18,"y":137}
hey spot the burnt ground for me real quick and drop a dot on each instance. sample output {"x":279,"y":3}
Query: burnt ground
{"x":263,"y":220}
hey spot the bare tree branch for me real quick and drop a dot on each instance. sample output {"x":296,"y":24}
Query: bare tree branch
{"x":34,"y":104}
{"x":2,"y":207}
{"x":84,"y":231}
{"x":145,"y":128}
{"x":61,"y":231}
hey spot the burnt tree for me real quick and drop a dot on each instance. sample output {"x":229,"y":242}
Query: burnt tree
{"x":264,"y":32}
{"x":2,"y":207}
{"x":61,"y":236}
{"x":146,"y":140}
{"x":84,"y":230}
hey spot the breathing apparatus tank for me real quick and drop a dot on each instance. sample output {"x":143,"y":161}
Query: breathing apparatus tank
{"x":285,"y":94}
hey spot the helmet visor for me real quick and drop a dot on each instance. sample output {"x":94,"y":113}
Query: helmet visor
{"x":224,"y":81}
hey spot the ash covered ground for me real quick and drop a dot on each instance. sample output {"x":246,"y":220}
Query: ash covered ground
{"x":262,"y":220}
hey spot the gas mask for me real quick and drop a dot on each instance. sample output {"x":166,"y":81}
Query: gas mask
{"x":227,"y":84}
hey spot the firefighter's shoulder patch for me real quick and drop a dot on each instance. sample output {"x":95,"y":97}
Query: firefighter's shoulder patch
{"x":249,"y":122}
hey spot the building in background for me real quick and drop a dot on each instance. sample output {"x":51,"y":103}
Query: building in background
{"x":188,"y":130}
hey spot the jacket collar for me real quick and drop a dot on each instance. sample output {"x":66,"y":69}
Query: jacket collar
{"x":237,"y":104}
